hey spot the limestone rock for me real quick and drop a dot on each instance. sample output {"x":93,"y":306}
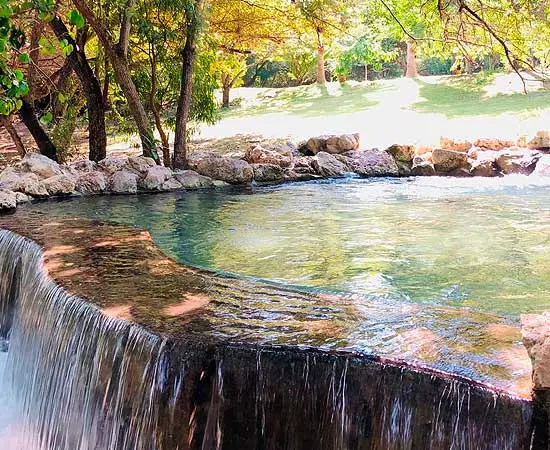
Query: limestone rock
{"x":112,"y":163}
{"x":189,"y":179}
{"x":535,"y":330}
{"x":230,"y":170}
{"x":22,"y":198}
{"x":326,"y":165}
{"x":543,"y":167}
{"x":540,"y":141}
{"x":123,"y":182}
{"x":304,"y":165}
{"x":84,"y":165}
{"x":171,"y":184}
{"x":483,"y":168}
{"x":155,"y":177}
{"x":372,"y":163}
{"x":268,"y":173}
{"x":260,"y":155}
{"x":8,"y":200}
{"x":445,"y":161}
{"x":455,"y":145}
{"x":404,"y":153}
{"x":91,"y":183}
{"x":59,"y":185}
{"x":9,"y":178}
{"x":334,"y":144}
{"x":139,"y":165}
{"x":40,"y":165}
{"x":493,"y":144}
{"x":30,"y":184}
{"x":422,"y":166}
{"x":514,"y":162}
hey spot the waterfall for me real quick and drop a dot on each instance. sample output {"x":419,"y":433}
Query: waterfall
{"x":76,"y":379}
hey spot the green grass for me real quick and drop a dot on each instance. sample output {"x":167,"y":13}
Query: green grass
{"x":466,"y":96}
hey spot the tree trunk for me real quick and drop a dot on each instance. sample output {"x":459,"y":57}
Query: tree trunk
{"x":226,"y":88}
{"x":17,"y":141}
{"x":97,"y":138}
{"x":186,"y":88}
{"x":154,"y":108}
{"x":43,"y":141}
{"x":366,"y":72}
{"x":467,"y":65}
{"x":122,"y":74}
{"x":321,"y":77}
{"x":412,"y":71}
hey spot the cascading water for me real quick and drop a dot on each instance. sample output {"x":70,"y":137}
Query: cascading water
{"x":80,"y":380}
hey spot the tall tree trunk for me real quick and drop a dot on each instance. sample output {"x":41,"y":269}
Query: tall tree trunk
{"x":5,"y":121}
{"x":366,"y":72}
{"x":119,"y":63}
{"x":155,"y":109}
{"x":106,"y":82}
{"x":186,"y":88}
{"x":467,"y":65}
{"x":226,"y":88}
{"x":94,"y":96}
{"x":321,"y":77}
{"x":412,"y":71}
{"x":43,"y":141}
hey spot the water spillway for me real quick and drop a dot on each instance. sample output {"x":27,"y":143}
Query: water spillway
{"x":108,"y":373}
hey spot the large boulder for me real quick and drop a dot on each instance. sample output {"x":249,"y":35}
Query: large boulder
{"x":9,"y":178}
{"x":268,"y":173}
{"x":213,"y":165}
{"x":22,"y":198}
{"x":112,"y":163}
{"x":422,"y":165}
{"x":84,"y":165}
{"x":535,"y":331}
{"x":40,"y":165}
{"x":372,"y":163}
{"x":139,"y":165}
{"x":541,"y":141}
{"x":455,"y":145}
{"x":30,"y":184}
{"x":334,"y":144}
{"x":260,"y":155}
{"x":446,"y":161}
{"x":543,"y":167}
{"x":91,"y":183}
{"x":326,"y":165}
{"x":483,"y":168}
{"x":123,"y":182}
{"x":8,"y":200}
{"x":59,"y":185}
{"x":403,"y":155}
{"x":517,"y":162}
{"x":154,"y":177}
{"x":189,"y":179}
{"x":171,"y":184}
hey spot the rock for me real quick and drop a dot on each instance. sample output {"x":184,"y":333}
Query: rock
{"x":514,"y":162}
{"x":83,"y":166}
{"x":535,"y":331}
{"x":59,"y":185}
{"x":155,"y":177}
{"x":260,"y":155}
{"x":230,"y":170}
{"x":220,"y":184}
{"x":542,"y":168}
{"x":292,"y":175}
{"x":334,"y":144}
{"x":171,"y":185}
{"x":304,"y":165}
{"x":404,"y":153}
{"x":9,"y":178}
{"x":268,"y":173}
{"x":31,"y":185}
{"x":139,"y":165}
{"x":40,"y":165}
{"x":91,"y":183}
{"x":286,"y":149}
{"x":326,"y":165}
{"x":455,"y":145}
{"x":8,"y":200}
{"x":493,"y":144}
{"x":112,"y":163}
{"x":189,"y":179}
{"x":22,"y":198}
{"x":483,"y":168}
{"x":422,"y":166}
{"x":423,"y":149}
{"x":123,"y":182}
{"x":372,"y":163}
{"x":541,"y":141}
{"x":445,"y":161}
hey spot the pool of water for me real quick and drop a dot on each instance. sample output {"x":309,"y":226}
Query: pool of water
{"x":482,"y":244}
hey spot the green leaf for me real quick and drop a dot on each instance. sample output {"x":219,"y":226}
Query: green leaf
{"x":19,"y":76}
{"x":67,"y":49}
{"x":76,"y":19}
{"x":61,"y":98}
{"x":24,"y":58}
{"x":46,"y":118}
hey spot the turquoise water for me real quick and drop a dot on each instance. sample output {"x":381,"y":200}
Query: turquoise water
{"x":482,"y":244}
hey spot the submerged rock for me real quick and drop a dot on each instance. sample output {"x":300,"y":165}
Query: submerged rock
{"x":154,"y":178}
{"x":445,"y":161}
{"x":91,"y":183}
{"x":326,"y":165}
{"x":59,"y":185}
{"x":334,"y":144}
{"x":372,"y":163}
{"x":189,"y":179}
{"x":40,"y":165}
{"x":268,"y":173}
{"x":213,"y":165}
{"x":260,"y":155}
{"x":518,"y":162}
{"x":8,"y":200}
{"x":123,"y":182}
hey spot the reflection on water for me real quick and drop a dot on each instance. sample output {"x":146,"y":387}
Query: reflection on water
{"x":471,"y":243}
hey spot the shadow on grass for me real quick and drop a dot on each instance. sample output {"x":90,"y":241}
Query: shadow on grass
{"x":461,"y":99}
{"x":311,"y":101}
